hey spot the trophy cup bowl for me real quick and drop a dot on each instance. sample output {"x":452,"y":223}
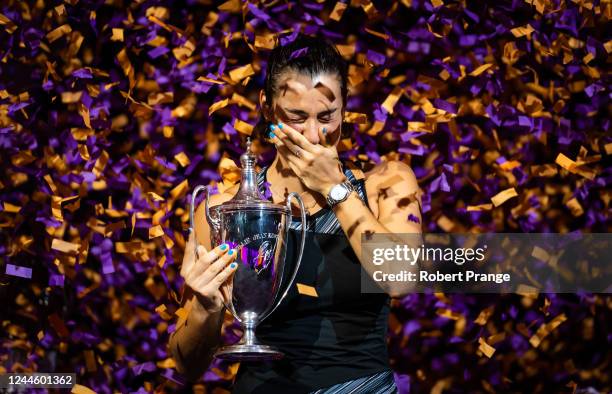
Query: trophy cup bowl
{"x":258,"y":230}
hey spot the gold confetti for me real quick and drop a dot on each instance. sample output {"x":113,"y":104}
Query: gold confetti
{"x":243,"y":101}
{"x":65,"y":247}
{"x":155,"y":196}
{"x":485,"y":348}
{"x":337,"y":12}
{"x":503,"y":196}
{"x":522,"y":31}
{"x":117,"y":34}
{"x":238,"y":74}
{"x":243,"y":127}
{"x":80,"y":389}
{"x":182,"y":159}
{"x":8,"y":207}
{"x":127,"y":247}
{"x":481,"y":207}
{"x":232,"y":6}
{"x":355,"y":117}
{"x":179,"y":190}
{"x":229,"y":170}
{"x":392,"y":99}
{"x":545,"y":329}
{"x":377,"y":34}
{"x":161,"y":311}
{"x":10,"y":26}
{"x":101,"y":163}
{"x":445,"y":223}
{"x":575,"y":207}
{"x":155,"y":231}
{"x":71,"y":97}
{"x":217,"y":106}
{"x":540,"y":254}
{"x":481,"y":69}
{"x":265,"y":41}
{"x":306,"y":290}
{"x":347,"y":51}
{"x":484,"y":315}
{"x":204,"y":79}
{"x":128,"y":70}
{"x":90,"y":361}
{"x":58,"y":32}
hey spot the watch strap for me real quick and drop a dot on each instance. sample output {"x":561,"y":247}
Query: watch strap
{"x":350,"y":188}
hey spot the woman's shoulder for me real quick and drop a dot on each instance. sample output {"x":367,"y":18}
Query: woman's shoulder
{"x":387,"y":173}
{"x":388,"y":179}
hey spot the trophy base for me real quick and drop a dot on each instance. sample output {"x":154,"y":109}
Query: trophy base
{"x":248,"y":353}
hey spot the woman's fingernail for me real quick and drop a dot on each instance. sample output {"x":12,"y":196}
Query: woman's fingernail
{"x":324,"y":130}
{"x":224,"y":246}
{"x":231,"y":252}
{"x":271,"y":135}
{"x":233,"y":265}
{"x":272,"y":127}
{"x":280,"y":125}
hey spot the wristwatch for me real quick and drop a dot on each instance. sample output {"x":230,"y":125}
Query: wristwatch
{"x":339,"y":193}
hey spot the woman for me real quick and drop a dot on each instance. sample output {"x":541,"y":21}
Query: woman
{"x":332,"y":335}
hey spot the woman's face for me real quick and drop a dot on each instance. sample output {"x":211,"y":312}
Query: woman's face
{"x":308,"y":105}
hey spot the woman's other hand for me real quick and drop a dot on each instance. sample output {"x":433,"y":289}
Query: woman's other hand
{"x":209,"y":273}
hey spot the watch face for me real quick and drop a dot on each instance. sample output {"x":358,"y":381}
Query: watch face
{"x":338,"y":192}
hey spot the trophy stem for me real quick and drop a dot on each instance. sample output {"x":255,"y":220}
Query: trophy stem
{"x":249,"y":338}
{"x":249,"y":348}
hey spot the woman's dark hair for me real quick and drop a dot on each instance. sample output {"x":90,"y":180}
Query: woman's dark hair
{"x":305,"y":54}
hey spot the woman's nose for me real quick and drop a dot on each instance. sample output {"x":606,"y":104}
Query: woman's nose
{"x":311,"y":132}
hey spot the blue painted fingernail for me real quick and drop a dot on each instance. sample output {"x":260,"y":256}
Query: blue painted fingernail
{"x":272,"y":127}
{"x":271,"y":135}
{"x":324,"y":130}
{"x":224,"y":246}
{"x":231,"y":252}
{"x":233,"y":265}
{"x":280,"y":125}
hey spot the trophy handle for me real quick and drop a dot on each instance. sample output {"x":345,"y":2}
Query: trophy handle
{"x":195,"y":193}
{"x":302,"y":241}
{"x":213,"y":223}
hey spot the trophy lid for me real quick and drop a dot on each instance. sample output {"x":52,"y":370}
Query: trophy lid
{"x":248,"y":195}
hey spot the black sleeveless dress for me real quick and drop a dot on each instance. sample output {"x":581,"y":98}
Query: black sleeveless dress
{"x":333,"y":342}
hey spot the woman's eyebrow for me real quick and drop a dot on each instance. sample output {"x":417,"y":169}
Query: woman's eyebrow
{"x":300,"y":112}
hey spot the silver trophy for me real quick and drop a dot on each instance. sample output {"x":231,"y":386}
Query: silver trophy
{"x":258,"y":230}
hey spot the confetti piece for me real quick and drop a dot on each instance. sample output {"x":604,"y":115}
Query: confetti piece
{"x":117,"y":34}
{"x":545,"y":329}
{"x":58,"y":33}
{"x":217,"y":106}
{"x":503,"y":196}
{"x":155,"y":231}
{"x":306,"y":290}
{"x":338,"y":11}
{"x":15,"y":270}
{"x":485,"y":348}
{"x":353,"y":117}
{"x":182,"y":159}
{"x":238,"y":74}
{"x":63,"y":246}
{"x":80,"y":389}
{"x":243,"y":127}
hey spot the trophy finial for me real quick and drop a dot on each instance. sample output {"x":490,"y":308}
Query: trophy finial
{"x":249,"y":191}
{"x":248,"y":159}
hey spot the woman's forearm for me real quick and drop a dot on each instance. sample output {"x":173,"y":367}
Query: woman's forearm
{"x":192,"y":345}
